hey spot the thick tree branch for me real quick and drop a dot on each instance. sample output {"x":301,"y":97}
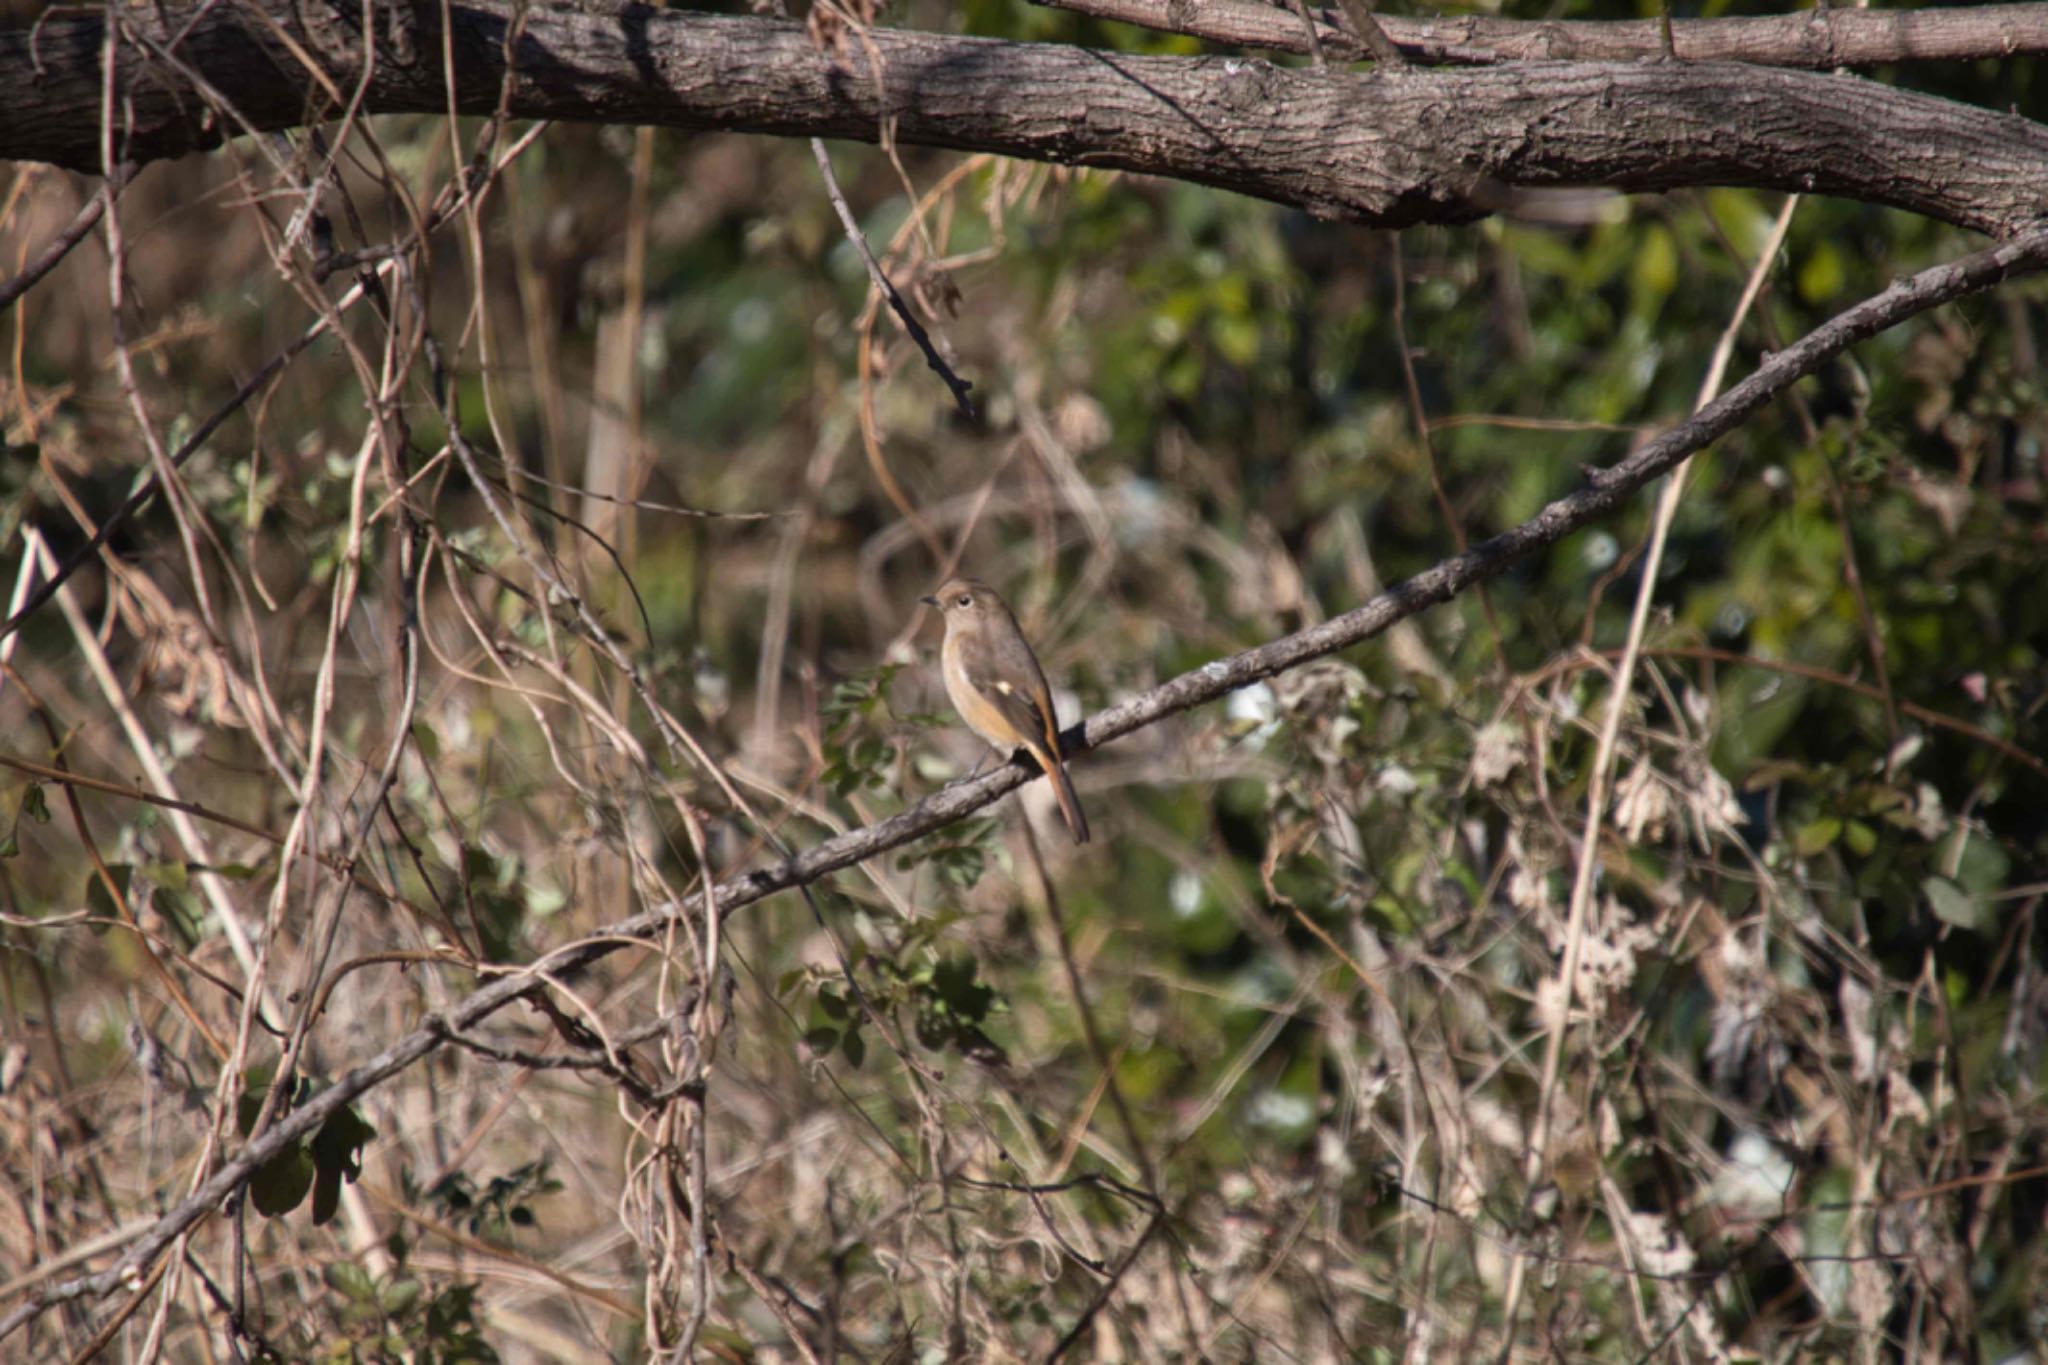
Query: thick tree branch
{"x":1417,"y":145}
{"x":1819,"y":39}
{"x":1607,"y":490}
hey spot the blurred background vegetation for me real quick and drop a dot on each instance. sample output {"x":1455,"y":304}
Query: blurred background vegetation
{"x":1138,"y":1098}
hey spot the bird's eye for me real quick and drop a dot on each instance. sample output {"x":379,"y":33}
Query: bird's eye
{"x":966,"y":600}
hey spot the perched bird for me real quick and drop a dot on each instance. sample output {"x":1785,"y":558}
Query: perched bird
{"x":997,"y":686}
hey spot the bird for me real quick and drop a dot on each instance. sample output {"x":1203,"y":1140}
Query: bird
{"x":995,"y":683}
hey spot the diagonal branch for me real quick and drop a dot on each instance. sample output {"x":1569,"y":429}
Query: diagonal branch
{"x":1605,"y":491}
{"x":58,"y":247}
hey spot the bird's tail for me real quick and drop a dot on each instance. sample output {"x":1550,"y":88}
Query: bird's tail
{"x":1063,"y":790}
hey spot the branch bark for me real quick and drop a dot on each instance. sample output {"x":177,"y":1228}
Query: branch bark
{"x":1818,"y":39}
{"x":1605,"y":491}
{"x":1385,"y":148}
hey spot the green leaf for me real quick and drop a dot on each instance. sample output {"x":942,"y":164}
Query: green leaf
{"x":351,"y":1281}
{"x":959,"y":866}
{"x":172,"y":876}
{"x":338,"y":1155}
{"x":98,"y":900}
{"x":1653,"y":271}
{"x":1953,"y":905}
{"x":399,"y":1297}
{"x":1817,"y":836}
{"x":953,"y":982}
{"x":1983,"y":866}
{"x":1821,"y":274}
{"x":255,"y":1085}
{"x":281,"y":1183}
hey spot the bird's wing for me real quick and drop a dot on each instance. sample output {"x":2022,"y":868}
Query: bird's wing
{"x":1016,"y":688}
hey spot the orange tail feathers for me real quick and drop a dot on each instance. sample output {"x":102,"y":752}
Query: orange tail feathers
{"x":1063,"y":791}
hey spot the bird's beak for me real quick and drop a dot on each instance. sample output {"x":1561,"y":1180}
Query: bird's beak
{"x":929,"y":601}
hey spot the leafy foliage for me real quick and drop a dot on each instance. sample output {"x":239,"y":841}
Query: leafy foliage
{"x":316,"y":1166}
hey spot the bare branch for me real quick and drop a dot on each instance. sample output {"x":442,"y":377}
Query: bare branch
{"x":89,"y":214}
{"x":1819,"y":39}
{"x":1390,"y":149}
{"x":886,"y":287}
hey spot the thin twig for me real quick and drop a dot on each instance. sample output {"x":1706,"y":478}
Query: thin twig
{"x":1102,"y":1295}
{"x":881,"y":281}
{"x":1315,"y":37}
{"x":60,"y":246}
{"x":1367,"y":30}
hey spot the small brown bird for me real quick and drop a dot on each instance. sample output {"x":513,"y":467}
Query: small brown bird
{"x":997,"y":686}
